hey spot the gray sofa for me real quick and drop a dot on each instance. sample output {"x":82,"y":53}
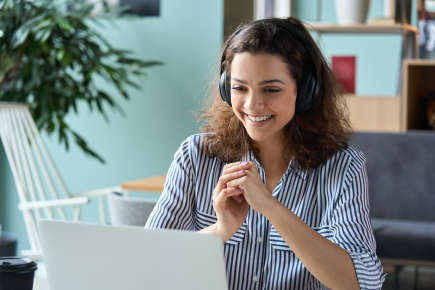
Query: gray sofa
{"x":401,"y":174}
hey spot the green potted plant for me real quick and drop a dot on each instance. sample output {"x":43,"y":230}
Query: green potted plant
{"x":50,"y":55}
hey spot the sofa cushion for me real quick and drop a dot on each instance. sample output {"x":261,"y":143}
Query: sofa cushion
{"x":402,"y":239}
{"x":401,"y":173}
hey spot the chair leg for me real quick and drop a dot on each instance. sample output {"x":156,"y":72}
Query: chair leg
{"x":416,"y":278}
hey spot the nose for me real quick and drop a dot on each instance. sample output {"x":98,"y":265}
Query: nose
{"x":254,"y":101}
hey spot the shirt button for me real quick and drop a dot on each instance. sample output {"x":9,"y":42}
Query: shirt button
{"x":260,"y":240}
{"x":255,"y":278}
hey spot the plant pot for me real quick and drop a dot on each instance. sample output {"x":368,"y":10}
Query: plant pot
{"x":351,"y":11}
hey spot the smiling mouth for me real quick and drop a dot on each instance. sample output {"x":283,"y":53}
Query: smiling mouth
{"x":259,"y":119}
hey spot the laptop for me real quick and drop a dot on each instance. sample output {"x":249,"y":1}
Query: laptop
{"x":91,"y":257}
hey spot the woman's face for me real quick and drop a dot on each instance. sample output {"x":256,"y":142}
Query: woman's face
{"x":263,"y":94}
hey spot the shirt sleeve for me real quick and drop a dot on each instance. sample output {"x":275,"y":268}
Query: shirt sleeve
{"x":352,"y":230}
{"x":174,"y":209}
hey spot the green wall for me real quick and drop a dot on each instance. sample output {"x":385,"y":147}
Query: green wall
{"x":186,"y":37}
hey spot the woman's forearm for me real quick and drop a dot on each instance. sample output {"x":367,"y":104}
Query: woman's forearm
{"x":328,"y":262}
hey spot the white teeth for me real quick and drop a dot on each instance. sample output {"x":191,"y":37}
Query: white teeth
{"x":259,"y":118}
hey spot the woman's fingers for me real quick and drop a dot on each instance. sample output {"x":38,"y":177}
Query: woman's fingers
{"x":227,"y":193}
{"x":222,"y":182}
{"x":239,"y":198}
{"x":231,"y":171}
{"x":231,"y":167}
{"x":236,"y":182}
{"x":230,"y":174}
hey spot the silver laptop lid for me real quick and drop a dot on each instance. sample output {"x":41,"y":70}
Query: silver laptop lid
{"x":90,"y":257}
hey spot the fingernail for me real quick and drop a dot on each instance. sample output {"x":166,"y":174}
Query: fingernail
{"x":244,"y":163}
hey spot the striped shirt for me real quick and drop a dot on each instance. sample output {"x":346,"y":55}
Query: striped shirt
{"x":332,"y":199}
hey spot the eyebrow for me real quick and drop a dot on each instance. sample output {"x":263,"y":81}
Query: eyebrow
{"x":261,"y":83}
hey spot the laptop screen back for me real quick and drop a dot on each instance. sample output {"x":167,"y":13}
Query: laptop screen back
{"x":88,"y":257}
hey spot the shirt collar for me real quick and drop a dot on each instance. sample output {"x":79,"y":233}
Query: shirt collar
{"x":249,"y":156}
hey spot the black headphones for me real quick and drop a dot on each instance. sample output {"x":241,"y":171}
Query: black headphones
{"x":309,"y":89}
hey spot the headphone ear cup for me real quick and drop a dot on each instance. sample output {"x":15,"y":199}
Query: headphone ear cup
{"x":307,"y":92}
{"x":224,"y":88}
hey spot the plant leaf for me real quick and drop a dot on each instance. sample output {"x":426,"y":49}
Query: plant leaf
{"x":19,"y":36}
{"x":50,"y":54}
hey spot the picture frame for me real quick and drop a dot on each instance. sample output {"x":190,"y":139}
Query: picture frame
{"x":133,"y":7}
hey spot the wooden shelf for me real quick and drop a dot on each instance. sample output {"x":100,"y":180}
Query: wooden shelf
{"x":374,"y":113}
{"x":420,"y":62}
{"x":361,"y":28}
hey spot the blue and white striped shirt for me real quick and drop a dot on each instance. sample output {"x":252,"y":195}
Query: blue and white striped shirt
{"x":332,"y":199}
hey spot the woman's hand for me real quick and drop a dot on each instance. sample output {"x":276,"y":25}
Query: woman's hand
{"x":254,"y":190}
{"x":228,"y":202}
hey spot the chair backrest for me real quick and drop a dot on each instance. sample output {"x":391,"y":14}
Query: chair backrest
{"x":37,"y":180}
{"x":129,"y":211}
{"x":401,"y":173}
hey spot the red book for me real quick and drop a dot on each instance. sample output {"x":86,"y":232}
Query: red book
{"x":343,"y":68}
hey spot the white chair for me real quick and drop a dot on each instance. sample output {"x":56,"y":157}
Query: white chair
{"x":42,"y":193}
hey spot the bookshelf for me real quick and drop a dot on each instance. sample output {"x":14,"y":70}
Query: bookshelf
{"x":379,"y":113}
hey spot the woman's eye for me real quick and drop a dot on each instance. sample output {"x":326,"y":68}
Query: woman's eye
{"x":237,"y":88}
{"x":272,"y":90}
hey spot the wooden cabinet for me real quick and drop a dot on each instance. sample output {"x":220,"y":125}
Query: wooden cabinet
{"x":397,"y":113}
{"x":374,"y":113}
{"x":418,"y":82}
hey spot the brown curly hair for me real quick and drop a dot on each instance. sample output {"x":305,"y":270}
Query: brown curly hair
{"x":313,"y":136}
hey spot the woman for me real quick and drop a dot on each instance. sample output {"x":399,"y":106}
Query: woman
{"x":272,"y":174}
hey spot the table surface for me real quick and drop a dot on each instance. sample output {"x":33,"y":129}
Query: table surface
{"x":152,"y":184}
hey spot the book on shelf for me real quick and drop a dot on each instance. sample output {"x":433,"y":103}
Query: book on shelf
{"x":344,"y":70}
